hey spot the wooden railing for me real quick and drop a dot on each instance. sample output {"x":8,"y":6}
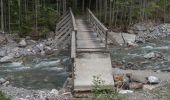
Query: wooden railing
{"x":99,"y":28}
{"x":74,"y":36}
{"x":65,"y":30}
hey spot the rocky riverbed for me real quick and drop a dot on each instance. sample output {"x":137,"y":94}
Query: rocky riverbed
{"x":11,"y":46}
{"x":32,"y":70}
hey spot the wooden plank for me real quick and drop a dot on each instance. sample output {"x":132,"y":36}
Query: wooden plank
{"x":65,"y":35}
{"x":73,"y":45}
{"x":64,"y":31}
{"x":63,"y":24}
{"x":64,"y":27}
{"x":60,"y":22}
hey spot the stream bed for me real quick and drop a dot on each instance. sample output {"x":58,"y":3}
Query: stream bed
{"x":134,"y":58}
{"x":35,"y":72}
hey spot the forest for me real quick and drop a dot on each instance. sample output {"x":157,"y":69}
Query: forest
{"x":38,"y":17}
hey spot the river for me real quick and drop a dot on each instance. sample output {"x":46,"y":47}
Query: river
{"x":37,"y":72}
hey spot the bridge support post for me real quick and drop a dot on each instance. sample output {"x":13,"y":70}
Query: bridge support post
{"x":106,"y":39}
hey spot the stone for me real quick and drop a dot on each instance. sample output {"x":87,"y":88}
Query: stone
{"x":31,"y":42}
{"x":42,"y":95}
{"x":6,"y":83}
{"x":153,"y":80}
{"x":117,"y":71}
{"x":136,"y":78}
{"x":54,"y":92}
{"x":149,"y":87}
{"x":3,"y":40}
{"x":40,"y":46}
{"x":131,"y":45}
{"x":125,"y":91}
{"x":3,"y":53}
{"x":2,"y":80}
{"x":6,"y":59}
{"x":135,"y":85}
{"x":139,"y":40}
{"x":48,"y":50}
{"x":154,"y":55}
{"x":22,"y":43}
{"x":22,"y":99}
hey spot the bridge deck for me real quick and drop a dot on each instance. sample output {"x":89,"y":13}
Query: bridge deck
{"x":86,"y":38}
{"x":90,"y":64}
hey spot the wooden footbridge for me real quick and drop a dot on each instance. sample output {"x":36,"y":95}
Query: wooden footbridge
{"x":89,"y":51}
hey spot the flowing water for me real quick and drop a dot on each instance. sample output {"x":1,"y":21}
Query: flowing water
{"x":37,"y":72}
{"x":51,"y":71}
{"x":135,"y":57}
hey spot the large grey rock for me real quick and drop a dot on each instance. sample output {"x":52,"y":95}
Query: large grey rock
{"x":40,"y":46}
{"x":6,"y":59}
{"x":154,"y":55}
{"x":54,"y":92}
{"x":48,"y":50}
{"x":3,"y":53}
{"x":2,"y":80}
{"x":22,"y":43}
{"x":35,"y":50}
{"x":3,"y":40}
{"x":153,"y":80}
{"x":31,"y":42}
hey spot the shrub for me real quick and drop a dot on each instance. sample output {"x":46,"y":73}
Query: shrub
{"x":3,"y":97}
{"x":102,"y":92}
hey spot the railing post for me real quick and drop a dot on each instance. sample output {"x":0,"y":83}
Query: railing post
{"x":106,"y":36}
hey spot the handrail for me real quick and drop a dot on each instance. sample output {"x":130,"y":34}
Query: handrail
{"x":66,"y":29}
{"x":99,"y":27}
{"x":73,"y":20}
{"x":96,"y":19}
{"x":73,"y":35}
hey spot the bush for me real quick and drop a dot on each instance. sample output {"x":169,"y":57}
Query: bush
{"x":3,"y":97}
{"x":102,"y":92}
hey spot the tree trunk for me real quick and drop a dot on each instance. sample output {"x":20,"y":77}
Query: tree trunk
{"x":9,"y":17}
{"x":2,"y":17}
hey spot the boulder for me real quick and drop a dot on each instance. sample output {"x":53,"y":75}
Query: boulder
{"x":131,"y":44}
{"x":2,"y":80}
{"x":135,"y":85}
{"x":48,"y":50}
{"x":125,"y":91}
{"x":3,"y":40}
{"x":31,"y":42}
{"x":154,"y":55}
{"x":40,"y":46}
{"x":54,"y":92}
{"x":3,"y":53}
{"x":22,"y":43}
{"x":153,"y":80}
{"x":6,"y":83}
{"x":6,"y":59}
{"x":139,"y":40}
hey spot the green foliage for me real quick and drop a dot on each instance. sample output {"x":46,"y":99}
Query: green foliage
{"x":3,"y":97}
{"x":102,"y":92}
{"x":30,"y":17}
